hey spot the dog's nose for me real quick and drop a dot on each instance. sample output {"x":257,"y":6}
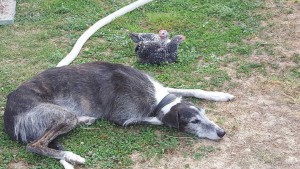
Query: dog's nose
{"x":220,"y":133}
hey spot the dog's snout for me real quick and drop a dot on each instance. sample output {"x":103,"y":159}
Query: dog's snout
{"x":220,"y":133}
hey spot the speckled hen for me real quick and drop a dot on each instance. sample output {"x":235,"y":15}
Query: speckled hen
{"x":157,"y":53}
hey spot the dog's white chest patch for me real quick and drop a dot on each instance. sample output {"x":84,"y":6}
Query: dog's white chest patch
{"x":168,"y":107}
{"x":159,"y":90}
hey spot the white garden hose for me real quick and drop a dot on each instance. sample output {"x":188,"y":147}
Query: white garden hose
{"x":88,"y":33}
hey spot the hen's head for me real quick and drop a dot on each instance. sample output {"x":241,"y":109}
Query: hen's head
{"x":163,"y":34}
{"x":178,"y":39}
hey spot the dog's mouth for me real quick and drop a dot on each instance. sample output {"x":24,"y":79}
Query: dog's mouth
{"x":215,"y":136}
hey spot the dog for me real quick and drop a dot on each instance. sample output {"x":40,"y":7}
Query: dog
{"x":55,"y":101}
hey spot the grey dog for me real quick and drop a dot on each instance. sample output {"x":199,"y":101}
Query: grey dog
{"x":57,"y":100}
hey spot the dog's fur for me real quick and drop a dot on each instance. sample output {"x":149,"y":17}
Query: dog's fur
{"x":58,"y":99}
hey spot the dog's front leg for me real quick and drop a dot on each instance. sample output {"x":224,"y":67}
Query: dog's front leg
{"x":143,"y":120}
{"x":201,"y":94}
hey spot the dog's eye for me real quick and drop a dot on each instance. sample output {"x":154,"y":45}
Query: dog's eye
{"x":195,"y":121}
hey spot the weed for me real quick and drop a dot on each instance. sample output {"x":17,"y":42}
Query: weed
{"x":296,"y":58}
{"x":249,"y":68}
{"x":202,"y":152}
{"x":295,"y":72}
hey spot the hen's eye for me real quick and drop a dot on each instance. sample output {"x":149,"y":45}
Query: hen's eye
{"x":195,"y":121}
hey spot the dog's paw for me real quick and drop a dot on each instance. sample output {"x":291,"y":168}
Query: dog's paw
{"x":66,"y":164}
{"x":86,"y":120}
{"x":73,"y":158}
{"x":221,"y":97}
{"x":129,"y":122}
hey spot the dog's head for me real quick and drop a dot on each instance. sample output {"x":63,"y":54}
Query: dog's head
{"x":189,"y":118}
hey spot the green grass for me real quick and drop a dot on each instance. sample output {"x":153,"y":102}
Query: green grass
{"x":45,"y":31}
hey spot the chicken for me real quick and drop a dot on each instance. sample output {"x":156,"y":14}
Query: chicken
{"x":153,"y":52}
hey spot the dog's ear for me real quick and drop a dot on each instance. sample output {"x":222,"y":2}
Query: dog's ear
{"x":171,"y":119}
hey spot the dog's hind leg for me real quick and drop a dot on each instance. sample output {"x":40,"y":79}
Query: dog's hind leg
{"x":41,"y":126}
{"x":40,"y":146}
{"x":55,"y":145}
{"x":201,"y":94}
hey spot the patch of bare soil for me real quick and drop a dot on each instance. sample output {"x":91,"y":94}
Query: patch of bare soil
{"x":17,"y":165}
{"x":278,"y":43}
{"x":263,"y":122}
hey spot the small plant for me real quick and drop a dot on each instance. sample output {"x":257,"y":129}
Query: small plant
{"x":296,"y":58}
{"x":203,"y":151}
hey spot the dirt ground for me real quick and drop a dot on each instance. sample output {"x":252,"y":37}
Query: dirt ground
{"x":263,"y":121}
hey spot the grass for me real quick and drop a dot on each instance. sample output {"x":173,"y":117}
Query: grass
{"x":202,"y":152}
{"x":44,"y":32}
